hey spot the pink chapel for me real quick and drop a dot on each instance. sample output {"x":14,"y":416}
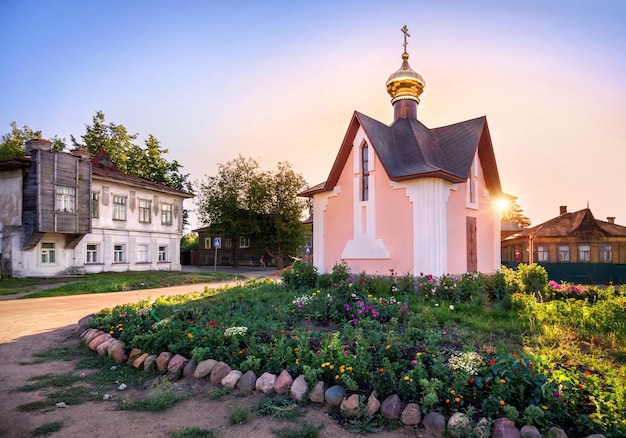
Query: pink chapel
{"x":409,"y":198}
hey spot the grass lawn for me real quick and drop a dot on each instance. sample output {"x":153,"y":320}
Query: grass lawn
{"x":105,"y":282}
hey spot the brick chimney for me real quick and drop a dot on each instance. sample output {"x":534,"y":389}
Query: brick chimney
{"x":611,"y":219}
{"x":563,"y":209}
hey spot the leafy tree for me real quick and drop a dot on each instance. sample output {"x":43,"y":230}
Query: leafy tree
{"x":513,"y":212}
{"x":13,"y":144}
{"x":243,"y":201}
{"x":189,"y":242}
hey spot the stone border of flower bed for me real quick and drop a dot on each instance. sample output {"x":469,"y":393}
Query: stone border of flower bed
{"x":220,"y":373}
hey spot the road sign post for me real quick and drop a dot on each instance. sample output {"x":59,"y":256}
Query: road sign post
{"x":217,"y":244}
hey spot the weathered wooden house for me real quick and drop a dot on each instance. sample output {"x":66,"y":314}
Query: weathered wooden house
{"x":64,"y":213}
{"x":573,"y":246}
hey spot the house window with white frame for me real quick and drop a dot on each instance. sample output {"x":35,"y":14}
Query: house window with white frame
{"x":119,"y":208}
{"x":48,"y":253}
{"x":95,"y":205}
{"x":143,"y":255}
{"x":119,"y":254}
{"x":163,"y":254}
{"x":542,"y":253}
{"x":606,"y":252}
{"x":65,"y":199}
{"x":244,"y":242}
{"x":144,"y":211}
{"x":584,"y":253}
{"x":91,"y":253}
{"x":166,"y":214}
{"x":563,"y":253}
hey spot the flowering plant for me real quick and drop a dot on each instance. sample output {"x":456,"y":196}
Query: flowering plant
{"x":468,"y":362}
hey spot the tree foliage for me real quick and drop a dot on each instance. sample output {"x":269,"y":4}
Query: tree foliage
{"x":513,"y":212}
{"x":147,"y":162}
{"x":13,"y":145}
{"x":244,"y":201}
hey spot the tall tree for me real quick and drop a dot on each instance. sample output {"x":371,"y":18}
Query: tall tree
{"x":513,"y":212}
{"x":148,"y":163}
{"x":13,"y":145}
{"x":243,"y":201}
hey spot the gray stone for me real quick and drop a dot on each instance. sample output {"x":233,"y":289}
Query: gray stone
{"x":435,"y":424}
{"x":162,"y":360}
{"x":150,"y":362}
{"x":350,"y":406}
{"x":411,"y":414}
{"x":230,"y":380}
{"x":557,"y":432}
{"x":596,"y":435}
{"x":189,"y":368}
{"x":505,"y":428}
{"x":83,"y":323}
{"x":459,"y":425}
{"x":204,"y":368}
{"x":247,"y":383}
{"x":283,"y":382}
{"x":529,"y":431}
{"x":334,"y":395}
{"x":265,"y":383}
{"x":373,"y":404}
{"x":391,"y":407}
{"x":317,"y":396}
{"x":299,"y":388}
{"x":220,"y":370}
{"x":483,"y":428}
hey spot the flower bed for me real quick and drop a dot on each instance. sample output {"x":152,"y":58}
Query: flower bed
{"x":414,"y":337}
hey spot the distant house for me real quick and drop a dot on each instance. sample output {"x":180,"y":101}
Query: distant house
{"x":407,"y":197}
{"x":228,"y":251}
{"x":64,"y":213}
{"x":573,"y":246}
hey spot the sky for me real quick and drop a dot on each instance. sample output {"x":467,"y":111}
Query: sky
{"x":278,"y":81}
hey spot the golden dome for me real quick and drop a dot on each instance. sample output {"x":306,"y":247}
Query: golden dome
{"x":405,"y":83}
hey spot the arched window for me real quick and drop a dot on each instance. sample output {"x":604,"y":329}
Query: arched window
{"x":365,"y":172}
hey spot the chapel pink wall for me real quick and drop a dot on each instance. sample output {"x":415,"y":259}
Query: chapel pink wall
{"x":393,"y":222}
{"x":485,"y":235}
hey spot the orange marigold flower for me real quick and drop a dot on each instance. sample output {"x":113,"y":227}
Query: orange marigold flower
{"x":502,"y":381}
{"x":381,"y":370}
{"x":296,"y":349}
{"x":447,"y":400}
{"x":501,"y":402}
{"x":189,"y":335}
{"x":457,"y":399}
{"x":544,"y":407}
{"x":452,"y":391}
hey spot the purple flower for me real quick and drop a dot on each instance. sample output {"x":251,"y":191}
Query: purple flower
{"x":557,"y":394}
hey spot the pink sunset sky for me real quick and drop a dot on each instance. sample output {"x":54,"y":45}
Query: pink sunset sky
{"x":279,"y":81}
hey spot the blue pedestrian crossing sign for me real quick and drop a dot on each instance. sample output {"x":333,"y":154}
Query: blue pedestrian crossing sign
{"x":217,"y":242}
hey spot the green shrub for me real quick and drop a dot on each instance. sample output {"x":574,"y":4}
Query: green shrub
{"x":301,"y":275}
{"x":533,"y":278}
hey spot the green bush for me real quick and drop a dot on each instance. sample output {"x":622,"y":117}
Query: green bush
{"x":301,"y":275}
{"x":533,"y":278}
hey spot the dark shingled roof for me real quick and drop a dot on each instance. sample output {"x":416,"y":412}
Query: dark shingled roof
{"x":410,"y":150}
{"x":568,"y":223}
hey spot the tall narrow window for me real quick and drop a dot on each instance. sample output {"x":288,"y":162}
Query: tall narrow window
{"x":91,"y":255}
{"x":563,"y":253}
{"x":95,"y":206}
{"x":606,"y":252}
{"x":542,"y":253}
{"x":144,"y":211}
{"x":65,"y":199}
{"x":166,"y":214}
{"x":142,"y":254}
{"x":584,"y":253}
{"x":365,"y":172}
{"x":48,"y":252}
{"x":119,"y":208}
{"x":163,"y":253}
{"x":118,"y":254}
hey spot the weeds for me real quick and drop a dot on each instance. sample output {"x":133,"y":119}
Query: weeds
{"x":238,"y":414}
{"x":278,"y":409}
{"x":195,"y":432}
{"x":47,"y":429}
{"x":162,"y":397}
{"x":305,"y":431}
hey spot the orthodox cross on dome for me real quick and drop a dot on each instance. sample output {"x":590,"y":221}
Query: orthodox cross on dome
{"x":405,"y":31}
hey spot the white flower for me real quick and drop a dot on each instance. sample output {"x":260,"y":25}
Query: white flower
{"x":451,"y":307}
{"x":436,"y":304}
{"x":235,"y":331}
